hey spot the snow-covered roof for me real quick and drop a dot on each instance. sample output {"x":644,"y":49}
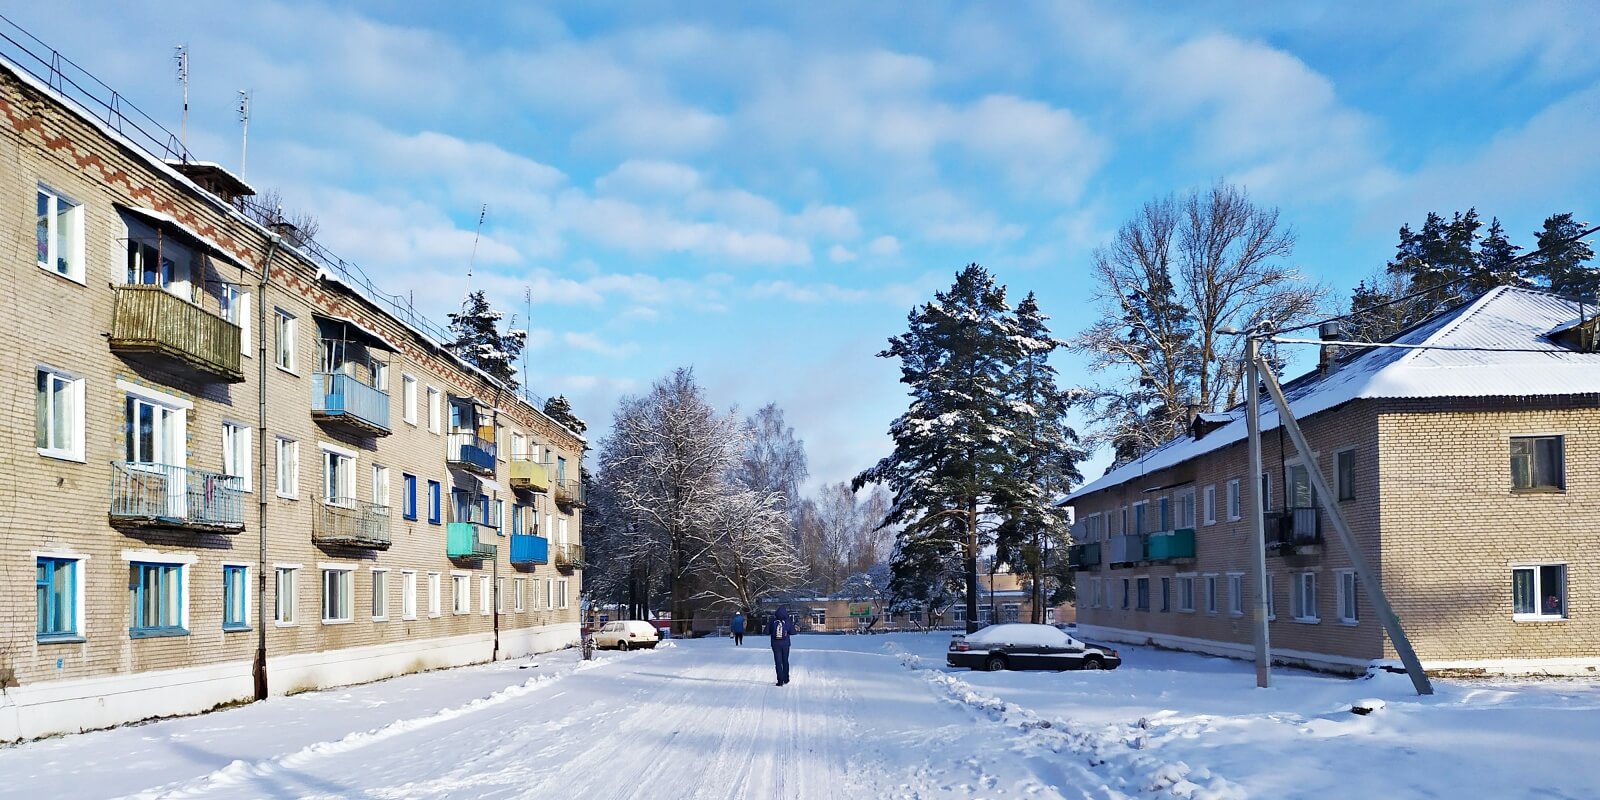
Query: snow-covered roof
{"x":171,"y":223}
{"x":1495,"y":345}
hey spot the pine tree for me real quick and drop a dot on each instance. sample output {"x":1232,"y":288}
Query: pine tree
{"x":479,"y":342}
{"x":1563,"y":266}
{"x":1492,"y":265}
{"x":950,"y":457}
{"x":560,"y":410}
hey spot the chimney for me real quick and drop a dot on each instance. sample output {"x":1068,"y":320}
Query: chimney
{"x":1331,"y":353}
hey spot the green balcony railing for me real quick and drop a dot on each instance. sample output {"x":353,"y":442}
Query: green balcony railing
{"x":150,"y":319}
{"x":1084,"y":555}
{"x":1169,"y":545}
{"x":462,"y":540}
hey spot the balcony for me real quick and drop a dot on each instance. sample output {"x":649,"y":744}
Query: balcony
{"x":151,"y":320}
{"x":569,"y":556}
{"x":341,"y":400}
{"x":1127,"y":548}
{"x":351,"y":523}
{"x":162,"y":496}
{"x":527,"y":549}
{"x":464,"y":540}
{"x":1170,"y":545}
{"x":1084,"y":555}
{"x":569,"y":492}
{"x":1294,"y":531}
{"x":529,"y":475}
{"x":470,"y":452}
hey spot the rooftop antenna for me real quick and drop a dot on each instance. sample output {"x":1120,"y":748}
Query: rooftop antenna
{"x":527,"y":297}
{"x":181,"y":55}
{"x":482,"y":213}
{"x":244,"y":123}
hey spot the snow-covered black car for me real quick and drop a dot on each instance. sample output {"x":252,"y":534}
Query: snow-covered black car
{"x":1027,"y":646}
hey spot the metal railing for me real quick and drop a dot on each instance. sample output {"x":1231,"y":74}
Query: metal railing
{"x":529,"y":549}
{"x":529,"y":474}
{"x":335,"y":395}
{"x":153,"y":320}
{"x":569,"y":492}
{"x":569,"y":556}
{"x":1084,"y":555}
{"x":462,"y":541}
{"x":162,"y":495}
{"x":346,"y":522}
{"x":470,"y":450}
{"x":1126,"y":548}
{"x":1295,"y":527}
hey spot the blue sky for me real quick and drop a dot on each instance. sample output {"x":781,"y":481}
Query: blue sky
{"x":763,"y":191}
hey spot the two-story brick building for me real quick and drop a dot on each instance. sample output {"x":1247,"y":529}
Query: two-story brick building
{"x":1467,"y":470}
{"x":236,"y":448}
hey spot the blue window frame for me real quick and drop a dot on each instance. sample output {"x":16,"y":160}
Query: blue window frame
{"x":409,"y":509}
{"x":156,"y":591}
{"x":433,"y":502}
{"x":235,"y":584}
{"x":56,"y":582}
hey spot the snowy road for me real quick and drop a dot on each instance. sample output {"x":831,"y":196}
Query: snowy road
{"x":865,"y":717}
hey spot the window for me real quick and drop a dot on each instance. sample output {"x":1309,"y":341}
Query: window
{"x":1166,"y":594}
{"x":1266,"y":491}
{"x":153,"y":259}
{"x":433,"y":502}
{"x":60,"y":235}
{"x":433,"y":594}
{"x":1140,"y":512}
{"x":462,"y":594}
{"x":561,"y":593}
{"x":286,"y":325}
{"x":1209,"y":505}
{"x":408,"y":502}
{"x":1303,"y":596}
{"x":1236,"y":595}
{"x":1234,"y":511}
{"x":1348,"y":611}
{"x":380,"y":595}
{"x":433,"y":410}
{"x":500,"y":595}
{"x":157,"y":600}
{"x":408,"y":594}
{"x":485,"y":602}
{"x":154,"y":433}
{"x":1344,"y":465}
{"x":497,"y":519}
{"x":288,"y":468}
{"x":338,"y":477}
{"x":235,"y":598}
{"x":1164,"y":514}
{"x":561,"y":468}
{"x":1185,"y":503}
{"x":517,"y":587}
{"x":233,"y":305}
{"x":380,"y":486}
{"x":284,"y":613}
{"x":516,"y":518}
{"x":58,"y":415}
{"x":1186,"y":593}
{"x":56,"y":586}
{"x":408,"y":399}
{"x":1126,"y":599}
{"x":236,"y":454}
{"x":1298,"y":491}
{"x":1211,"y":594}
{"x":1536,"y":463}
{"x":1272,"y":600}
{"x":338,"y":595}
{"x":380,"y":376}
{"x":1143,"y":589}
{"x":1539,"y":592}
{"x":519,"y":445}
{"x":549,"y":593}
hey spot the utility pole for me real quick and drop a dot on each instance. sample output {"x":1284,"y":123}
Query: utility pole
{"x":1258,"y":525}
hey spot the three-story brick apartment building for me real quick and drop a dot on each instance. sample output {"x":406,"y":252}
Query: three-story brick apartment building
{"x":234,"y":449}
{"x":1469,"y":472}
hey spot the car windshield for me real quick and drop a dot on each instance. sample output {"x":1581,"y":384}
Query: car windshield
{"x":1017,"y":633}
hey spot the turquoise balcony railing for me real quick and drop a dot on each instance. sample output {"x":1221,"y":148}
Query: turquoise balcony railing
{"x":462,"y":541}
{"x":1169,"y":545}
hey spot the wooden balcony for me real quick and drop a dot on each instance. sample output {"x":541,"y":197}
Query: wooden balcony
{"x":150,"y":320}
{"x":529,"y":475}
{"x":351,"y":523}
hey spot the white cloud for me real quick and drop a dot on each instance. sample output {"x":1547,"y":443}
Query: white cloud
{"x":884,"y":247}
{"x":839,"y":254}
{"x":594,"y":344}
{"x":649,"y":176}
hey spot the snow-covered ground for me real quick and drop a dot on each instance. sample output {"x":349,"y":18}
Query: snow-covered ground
{"x":866,"y":716}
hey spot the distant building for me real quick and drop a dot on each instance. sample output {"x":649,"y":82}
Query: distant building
{"x":1470,"y":473}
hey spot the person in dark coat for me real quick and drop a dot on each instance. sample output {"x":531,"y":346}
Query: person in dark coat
{"x":781,"y":629}
{"x":736,"y":626}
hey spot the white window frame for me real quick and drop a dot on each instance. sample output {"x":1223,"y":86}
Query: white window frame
{"x":74,"y":244}
{"x":1210,"y":581}
{"x":380,"y":485}
{"x":345,"y":587}
{"x":485,"y":598}
{"x":435,"y":603}
{"x":1183,"y":503}
{"x":435,"y":410}
{"x":1303,"y":587}
{"x":518,"y":585}
{"x":380,"y":594}
{"x":519,"y":445}
{"x":284,"y":614}
{"x":73,"y":389}
{"x":408,"y":594}
{"x":286,"y":338}
{"x":561,"y":592}
{"x":1347,"y":597}
{"x":1538,"y":614}
{"x":1236,"y":594}
{"x":408,"y":398}
{"x":1185,"y":591}
{"x":288,"y":480}
{"x":500,"y":595}
{"x":1235,"y":501}
{"x":175,"y":425}
{"x":460,"y":593}
{"x":549,"y":593}
{"x":341,"y":462}
{"x":237,"y":444}
{"x":233,"y":305}
{"x":1208,"y":503}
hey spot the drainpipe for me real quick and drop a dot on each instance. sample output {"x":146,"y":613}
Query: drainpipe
{"x":259,"y":670}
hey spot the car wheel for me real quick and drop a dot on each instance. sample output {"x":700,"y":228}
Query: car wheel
{"x":1093,"y":662}
{"x":995,"y":664}
{"x":622,"y":645}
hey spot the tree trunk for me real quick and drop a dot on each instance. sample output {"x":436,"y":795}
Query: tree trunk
{"x":972,"y":565}
{"x":680,"y":604}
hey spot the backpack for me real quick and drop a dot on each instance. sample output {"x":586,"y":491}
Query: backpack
{"x":778,"y":629}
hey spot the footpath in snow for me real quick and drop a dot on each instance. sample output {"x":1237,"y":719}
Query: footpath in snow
{"x":866,"y":716}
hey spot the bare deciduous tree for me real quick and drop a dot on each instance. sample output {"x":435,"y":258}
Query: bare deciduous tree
{"x":744,"y":553}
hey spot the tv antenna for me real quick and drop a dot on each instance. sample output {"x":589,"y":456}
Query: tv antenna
{"x":244,"y":123}
{"x":482,"y":214}
{"x":181,"y":55}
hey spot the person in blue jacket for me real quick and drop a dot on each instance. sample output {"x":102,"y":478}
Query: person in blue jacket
{"x":736,"y":626}
{"x":781,"y":629}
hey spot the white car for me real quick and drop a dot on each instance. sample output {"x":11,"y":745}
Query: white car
{"x":626,"y":634}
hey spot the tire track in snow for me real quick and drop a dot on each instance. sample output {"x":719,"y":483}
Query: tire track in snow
{"x":240,"y":771}
{"x":1114,"y":763}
